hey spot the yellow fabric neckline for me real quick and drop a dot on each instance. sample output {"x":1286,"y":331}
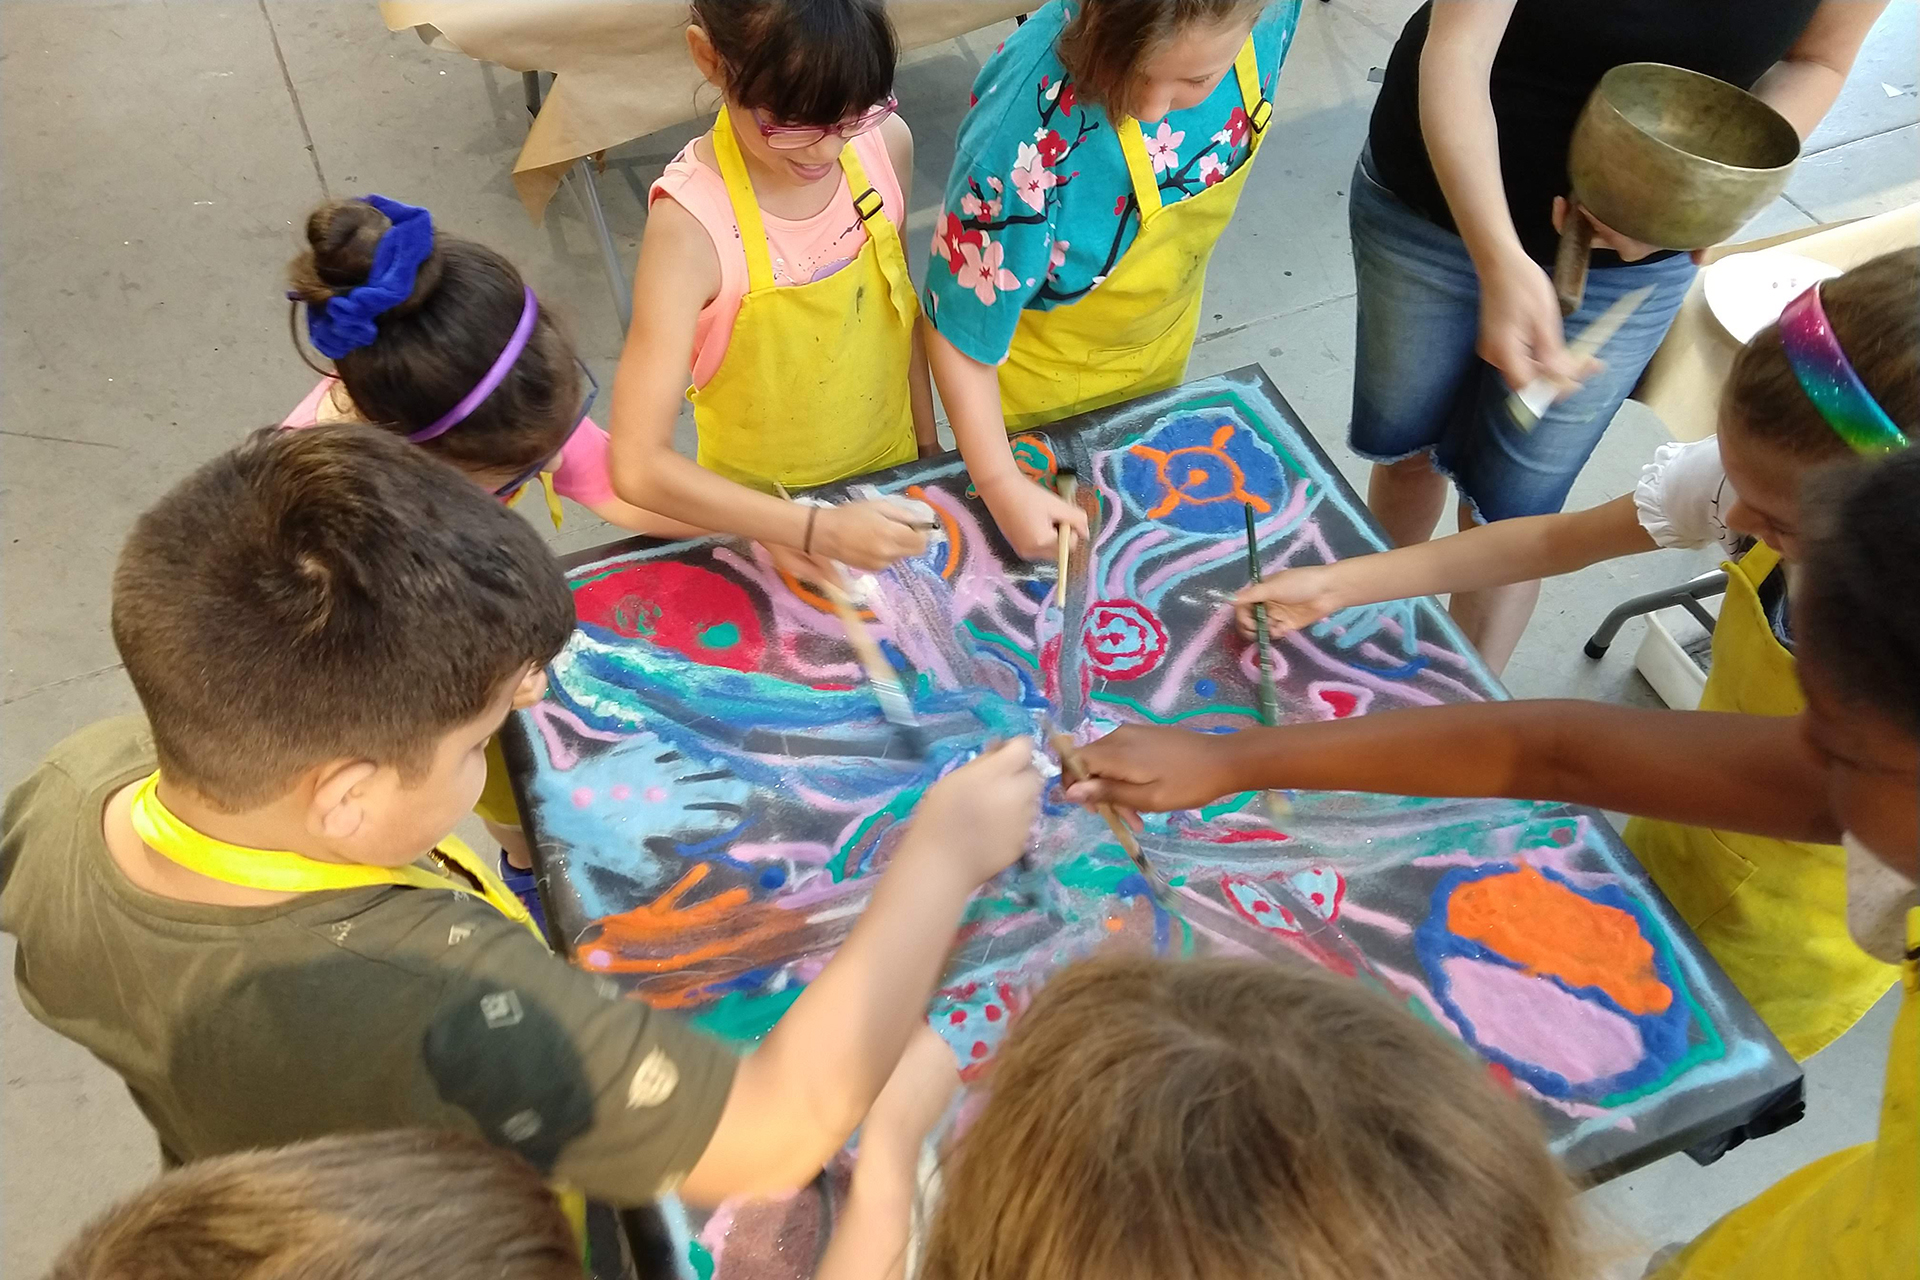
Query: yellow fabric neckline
{"x":1133,"y":146}
{"x":283,"y":871}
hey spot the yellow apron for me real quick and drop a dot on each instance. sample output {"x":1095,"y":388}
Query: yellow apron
{"x":813,"y":387}
{"x":1131,"y":335}
{"x":496,"y":803}
{"x":282,"y":871}
{"x":1772,"y":912}
{"x":1854,"y":1215}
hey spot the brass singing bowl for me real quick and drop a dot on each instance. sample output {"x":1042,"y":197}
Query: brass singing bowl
{"x":1672,"y":158}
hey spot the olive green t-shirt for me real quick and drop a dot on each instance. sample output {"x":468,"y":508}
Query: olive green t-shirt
{"x":359,"y":1009}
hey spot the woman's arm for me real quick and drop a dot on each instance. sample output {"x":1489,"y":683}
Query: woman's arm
{"x":1707,"y":769}
{"x":677,"y":275}
{"x":1028,"y":515}
{"x":1803,"y":85}
{"x":1489,"y":556}
{"x":1520,"y":328}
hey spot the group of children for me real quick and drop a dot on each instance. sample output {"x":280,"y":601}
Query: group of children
{"x":249,"y":903}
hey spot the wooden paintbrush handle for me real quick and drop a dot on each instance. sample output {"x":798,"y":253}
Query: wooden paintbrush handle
{"x":1070,"y":765}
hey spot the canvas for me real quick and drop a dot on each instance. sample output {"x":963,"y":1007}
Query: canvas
{"x":712,"y":788}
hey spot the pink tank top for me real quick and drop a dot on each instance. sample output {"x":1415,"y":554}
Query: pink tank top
{"x":803,"y":251}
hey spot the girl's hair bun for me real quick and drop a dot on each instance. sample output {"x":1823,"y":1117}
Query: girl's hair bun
{"x":342,"y":236}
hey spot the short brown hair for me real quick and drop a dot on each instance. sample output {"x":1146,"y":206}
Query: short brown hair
{"x":405,"y":1205}
{"x":1232,"y":1118}
{"x":1106,"y":43}
{"x":436,"y":346}
{"x":1875,"y":313}
{"x":332,"y":593}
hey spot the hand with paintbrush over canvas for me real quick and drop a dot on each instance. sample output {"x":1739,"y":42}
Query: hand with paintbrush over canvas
{"x":250,"y":905}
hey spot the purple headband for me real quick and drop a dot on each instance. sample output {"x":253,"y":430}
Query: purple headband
{"x":486,"y":386}
{"x":1828,"y":378}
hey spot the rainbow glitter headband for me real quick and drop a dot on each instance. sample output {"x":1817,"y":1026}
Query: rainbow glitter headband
{"x":1829,"y":380}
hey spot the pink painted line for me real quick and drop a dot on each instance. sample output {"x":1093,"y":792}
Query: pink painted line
{"x":1374,"y":919}
{"x":559,"y":754}
{"x":1174,"y":683}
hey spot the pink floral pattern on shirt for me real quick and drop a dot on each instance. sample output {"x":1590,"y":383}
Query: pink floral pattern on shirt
{"x":1041,"y":171}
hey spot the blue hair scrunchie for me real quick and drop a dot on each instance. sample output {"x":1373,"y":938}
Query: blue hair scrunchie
{"x":345,"y":323}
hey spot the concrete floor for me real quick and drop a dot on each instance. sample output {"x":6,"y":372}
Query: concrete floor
{"x":158,"y":158}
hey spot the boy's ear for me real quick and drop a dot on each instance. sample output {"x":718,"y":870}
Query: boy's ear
{"x":336,"y":811}
{"x":532,"y":688}
{"x":705,"y":57}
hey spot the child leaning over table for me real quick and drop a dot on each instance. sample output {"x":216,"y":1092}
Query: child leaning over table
{"x":1844,"y":769}
{"x":272,"y":937}
{"x":1773,"y":912}
{"x":1221,"y":1119}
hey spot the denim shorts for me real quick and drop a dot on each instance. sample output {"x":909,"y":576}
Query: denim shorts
{"x":1419,"y":387}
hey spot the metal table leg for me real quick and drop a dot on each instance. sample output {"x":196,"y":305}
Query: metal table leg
{"x":1687,"y":596}
{"x":587,"y":191}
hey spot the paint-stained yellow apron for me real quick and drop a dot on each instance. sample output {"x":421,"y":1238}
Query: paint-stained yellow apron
{"x":282,"y":871}
{"x":1131,"y":335}
{"x":1854,"y":1215}
{"x":813,"y":387}
{"x":1772,"y":912}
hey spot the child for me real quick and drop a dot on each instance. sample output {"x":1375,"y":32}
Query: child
{"x":259,"y":937}
{"x":1233,"y":1118}
{"x":1104,"y":155}
{"x":772,"y":267}
{"x":1843,"y":769}
{"x":402,"y":1205}
{"x":437,"y":339}
{"x":1771,"y":911}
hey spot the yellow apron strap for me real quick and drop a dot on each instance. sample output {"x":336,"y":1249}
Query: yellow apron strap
{"x":1146,"y":187}
{"x":872,"y":211}
{"x":1133,"y":144}
{"x":746,"y":209}
{"x":1757,"y":564}
{"x":553,"y":498}
{"x":1247,"y":69}
{"x":282,"y":871}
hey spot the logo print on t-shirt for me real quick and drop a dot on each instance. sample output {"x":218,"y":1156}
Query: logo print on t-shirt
{"x":501,"y":1009}
{"x":521,"y":1125}
{"x":654,"y":1081}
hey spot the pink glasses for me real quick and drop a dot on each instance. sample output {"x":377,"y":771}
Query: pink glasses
{"x":783,"y":137}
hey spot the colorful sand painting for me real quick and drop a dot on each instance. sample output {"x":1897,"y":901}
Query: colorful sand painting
{"x":712,"y":788}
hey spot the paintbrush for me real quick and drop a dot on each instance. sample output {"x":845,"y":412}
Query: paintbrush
{"x":881,"y":676}
{"x":1529,"y":402}
{"x":1070,"y":765}
{"x":1267,"y":699}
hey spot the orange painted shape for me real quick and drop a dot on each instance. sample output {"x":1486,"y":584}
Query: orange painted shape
{"x":1547,"y":928}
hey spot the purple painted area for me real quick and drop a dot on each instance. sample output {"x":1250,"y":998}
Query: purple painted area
{"x":1532,"y":1019}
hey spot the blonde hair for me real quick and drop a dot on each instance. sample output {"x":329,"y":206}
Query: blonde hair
{"x":1229,"y":1119}
{"x":1106,"y":43}
{"x":404,"y":1205}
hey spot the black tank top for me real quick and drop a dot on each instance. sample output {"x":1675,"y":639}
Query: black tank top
{"x":1553,"y":54}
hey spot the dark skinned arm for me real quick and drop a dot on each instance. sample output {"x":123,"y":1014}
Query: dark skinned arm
{"x":1732,"y":772}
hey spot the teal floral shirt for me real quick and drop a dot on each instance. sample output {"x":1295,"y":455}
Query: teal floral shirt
{"x":1040,"y":207}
